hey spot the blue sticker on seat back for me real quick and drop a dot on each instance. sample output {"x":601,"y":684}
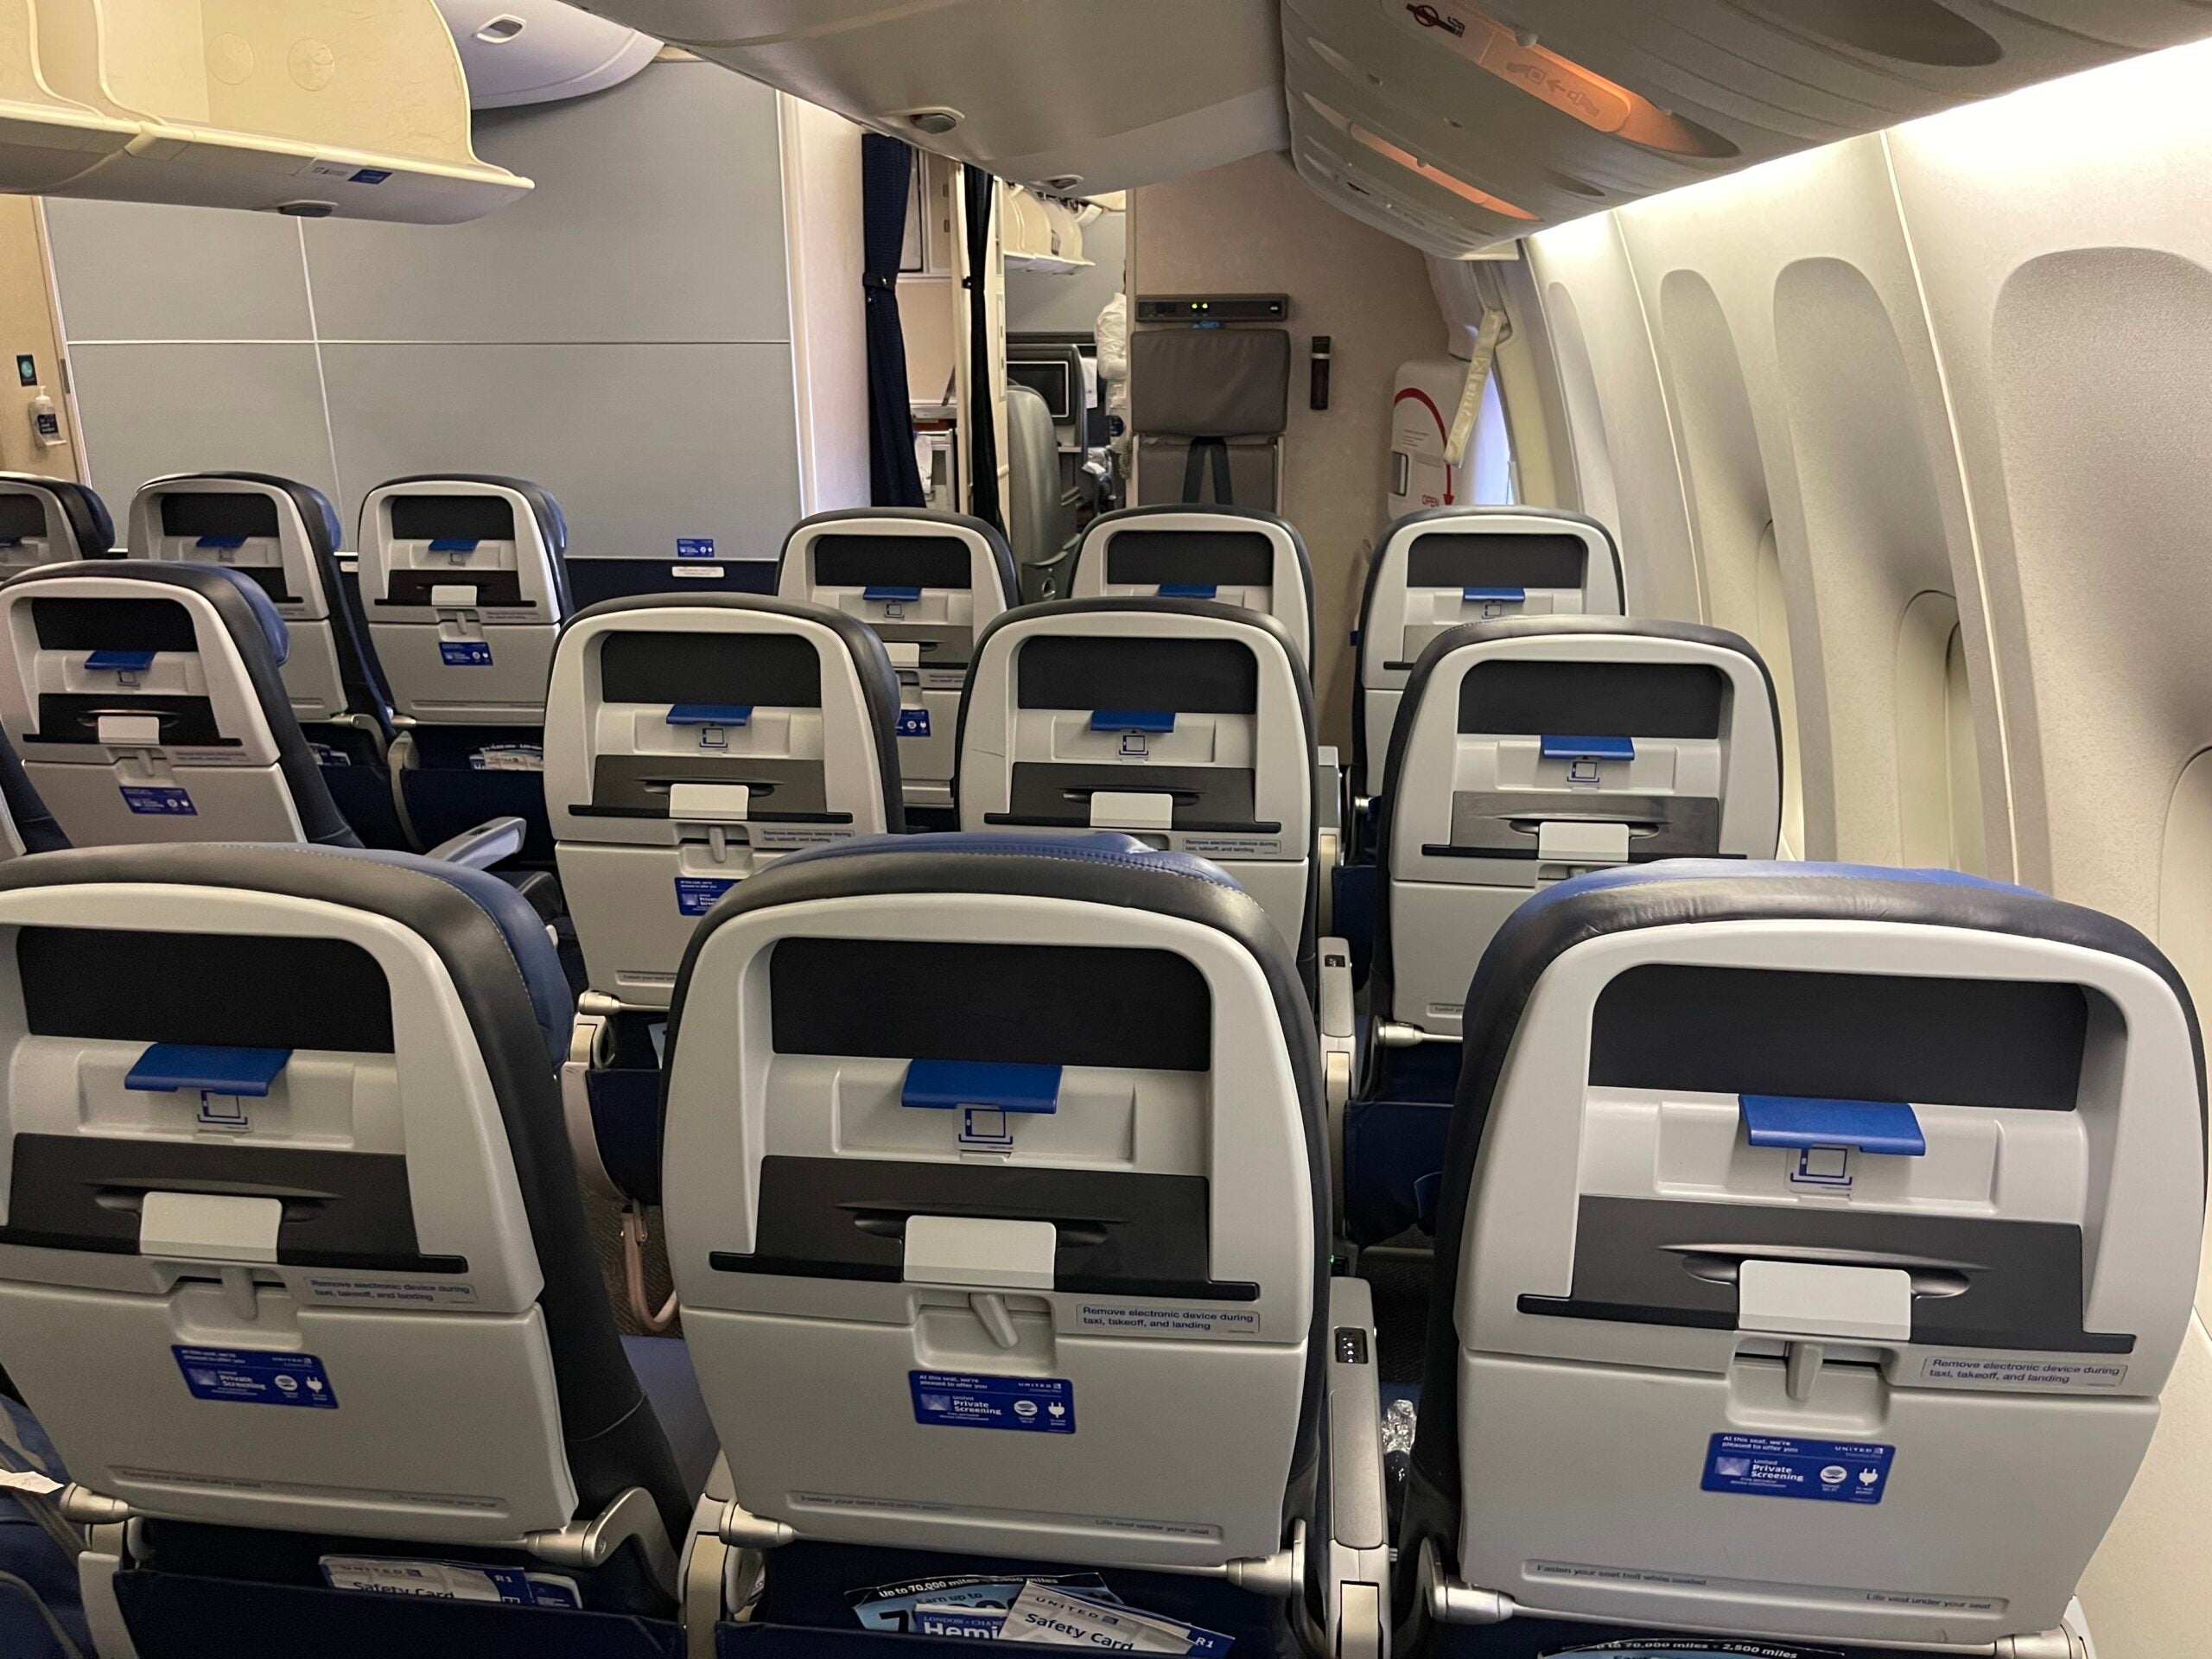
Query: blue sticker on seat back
{"x":695,"y":547}
{"x":1041,"y":1405}
{"x":158,"y":800}
{"x":913,"y":722}
{"x":254,"y":1378}
{"x":696,"y":895}
{"x":464,"y":653}
{"x":1764,"y":1465}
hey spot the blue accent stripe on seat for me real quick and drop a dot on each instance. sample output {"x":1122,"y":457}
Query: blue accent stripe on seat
{"x":166,"y":1067}
{"x":908,"y":595}
{"x":1588,"y":748}
{"x":1188,"y":589}
{"x":1516,"y":594}
{"x":1881,"y":1126}
{"x":710,"y":713}
{"x":225,"y":542}
{"x":454,"y":544}
{"x":941,"y":1085}
{"x":1133,"y":720}
{"x":120,"y":661}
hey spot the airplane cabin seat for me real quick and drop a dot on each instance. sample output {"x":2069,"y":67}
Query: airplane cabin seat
{"x":692,"y":741}
{"x":284,"y":535}
{"x":1024,"y":1225}
{"x":1208,"y":408}
{"x":293,"y":1270}
{"x":1185,"y":722}
{"x":928,"y":584}
{"x":1200,"y":550}
{"x":464,"y":582}
{"x":1814,"y":1244}
{"x":43,"y":520}
{"x":1040,"y":512}
{"x":145,"y":702}
{"x":1525,"y":752}
{"x":1444,"y":566}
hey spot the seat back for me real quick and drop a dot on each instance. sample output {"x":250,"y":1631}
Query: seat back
{"x":1053,"y":368}
{"x":1208,"y":407}
{"x":927,"y":583}
{"x":296,"y":1143}
{"x":1538,"y":749}
{"x":464,"y":590}
{"x":1039,"y":521}
{"x":1253,"y":560}
{"x":145,"y":700}
{"x":690,"y":742}
{"x":1446,"y":566}
{"x":1880,"y":1191}
{"x":282,"y":535}
{"x":44,"y":520}
{"x":1118,"y":1034}
{"x":1183,"y":721}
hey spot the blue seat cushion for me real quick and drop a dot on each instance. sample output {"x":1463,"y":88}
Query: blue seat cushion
{"x":41,"y":1610}
{"x":664,"y":1368}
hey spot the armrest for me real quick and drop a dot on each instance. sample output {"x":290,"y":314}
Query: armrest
{"x":1339,"y":1030}
{"x":1328,"y":766}
{"x":492,"y":841}
{"x":1328,"y":830}
{"x":1356,"y":1585}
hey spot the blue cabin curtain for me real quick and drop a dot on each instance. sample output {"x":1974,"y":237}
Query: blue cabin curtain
{"x":887,"y":174}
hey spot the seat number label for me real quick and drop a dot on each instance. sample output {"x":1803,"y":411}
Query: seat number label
{"x":1834,"y":1472}
{"x":1039,"y":1405}
{"x":254,"y":1378}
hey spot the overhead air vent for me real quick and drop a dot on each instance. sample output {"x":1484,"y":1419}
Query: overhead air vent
{"x":932,"y":122}
{"x":500,"y":30}
{"x":1913,"y":31}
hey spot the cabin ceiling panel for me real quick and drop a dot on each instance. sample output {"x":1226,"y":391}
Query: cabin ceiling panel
{"x":1117,"y":93}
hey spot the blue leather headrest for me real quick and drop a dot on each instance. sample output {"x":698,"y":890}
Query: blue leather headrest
{"x":263,"y":608}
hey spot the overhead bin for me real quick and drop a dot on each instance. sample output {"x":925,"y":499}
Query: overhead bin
{"x":1041,"y":234}
{"x":349,"y":108}
{"x":45,"y":140}
{"x":1455,"y":124}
